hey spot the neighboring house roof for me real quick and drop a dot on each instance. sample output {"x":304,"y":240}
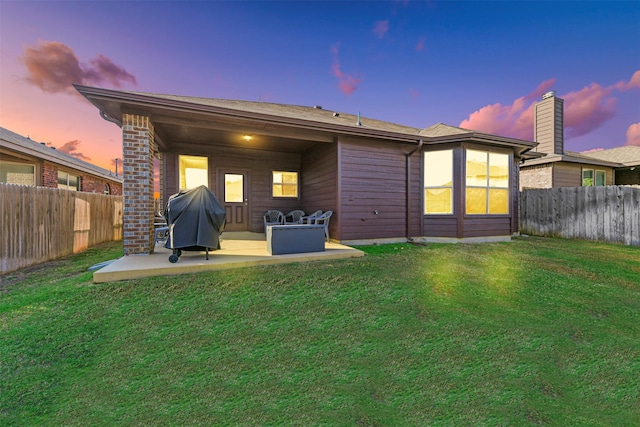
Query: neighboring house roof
{"x":27,"y":146}
{"x":111,"y":103}
{"x":628,"y":155}
{"x":618,"y":157}
{"x":570,"y":158}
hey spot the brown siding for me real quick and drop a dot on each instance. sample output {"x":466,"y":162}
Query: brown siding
{"x":320,"y":183}
{"x":567,"y":175}
{"x":259,"y":164}
{"x":570,"y":174}
{"x":484,"y":226}
{"x":439,"y":226}
{"x":373,"y":178}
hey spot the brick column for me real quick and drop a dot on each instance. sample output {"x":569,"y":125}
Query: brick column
{"x":138,"y":151}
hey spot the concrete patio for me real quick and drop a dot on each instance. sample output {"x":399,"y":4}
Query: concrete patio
{"x":238,"y":249}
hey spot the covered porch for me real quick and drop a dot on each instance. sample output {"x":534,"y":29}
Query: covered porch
{"x":238,"y":250}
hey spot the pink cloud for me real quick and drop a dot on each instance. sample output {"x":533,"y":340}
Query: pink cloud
{"x":633,"y":135}
{"x":584,"y":111}
{"x":54,"y":67}
{"x":420,"y":44}
{"x":634,"y":82}
{"x":380,"y":28}
{"x":346,"y":82}
{"x":71,"y":148}
{"x":414,"y":93}
{"x":587,"y":109}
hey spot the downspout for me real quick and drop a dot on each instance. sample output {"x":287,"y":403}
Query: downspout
{"x":408,"y":190}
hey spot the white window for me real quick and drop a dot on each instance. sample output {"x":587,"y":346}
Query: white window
{"x":194,"y":171}
{"x":284,"y":184}
{"x":17,"y":173}
{"x":487,"y":183}
{"x":67,"y":181}
{"x":591,"y":177}
{"x":438,"y":182}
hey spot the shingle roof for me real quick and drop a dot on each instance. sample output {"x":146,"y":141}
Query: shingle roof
{"x":628,"y":155}
{"x":314,"y":113}
{"x":440,"y":129}
{"x":16,"y":142}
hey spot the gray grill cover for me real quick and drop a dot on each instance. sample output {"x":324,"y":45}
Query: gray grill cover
{"x":196,"y":219}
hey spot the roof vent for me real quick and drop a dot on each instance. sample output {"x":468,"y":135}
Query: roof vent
{"x":318,"y":107}
{"x":549,"y":94}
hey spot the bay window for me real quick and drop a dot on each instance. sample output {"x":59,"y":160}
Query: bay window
{"x":487,"y":183}
{"x":438,"y":182}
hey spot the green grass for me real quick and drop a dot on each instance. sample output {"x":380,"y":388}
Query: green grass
{"x":532,"y":332}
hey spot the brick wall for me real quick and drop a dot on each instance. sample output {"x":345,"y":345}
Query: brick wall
{"x":139,"y":149}
{"x":88,"y":183}
{"x":538,"y":176}
{"x":49,"y":175}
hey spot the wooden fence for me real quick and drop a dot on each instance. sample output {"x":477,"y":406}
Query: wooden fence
{"x":606,"y":214}
{"x":40,"y":224}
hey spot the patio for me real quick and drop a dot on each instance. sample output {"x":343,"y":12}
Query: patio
{"x":238,"y":249}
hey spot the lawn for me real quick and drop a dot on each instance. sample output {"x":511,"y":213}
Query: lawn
{"x":532,"y":332}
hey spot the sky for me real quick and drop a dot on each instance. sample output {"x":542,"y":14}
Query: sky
{"x":474,"y":64}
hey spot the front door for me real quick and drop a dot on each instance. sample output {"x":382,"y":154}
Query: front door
{"x":235,"y":198}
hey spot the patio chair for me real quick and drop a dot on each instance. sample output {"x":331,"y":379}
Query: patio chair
{"x":294,"y":217}
{"x":272,"y":217}
{"x":309,"y":218}
{"x":324,"y":220}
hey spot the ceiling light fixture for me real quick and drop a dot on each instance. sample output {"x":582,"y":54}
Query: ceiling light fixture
{"x":247,"y":137}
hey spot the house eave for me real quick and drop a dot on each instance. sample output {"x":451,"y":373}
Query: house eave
{"x":553,"y":158}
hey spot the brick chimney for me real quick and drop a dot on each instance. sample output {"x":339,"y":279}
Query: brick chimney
{"x":548,"y":124}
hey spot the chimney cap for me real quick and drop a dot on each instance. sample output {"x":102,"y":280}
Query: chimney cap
{"x":549,"y":94}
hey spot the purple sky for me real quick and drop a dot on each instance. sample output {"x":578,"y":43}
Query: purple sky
{"x":475,"y":64}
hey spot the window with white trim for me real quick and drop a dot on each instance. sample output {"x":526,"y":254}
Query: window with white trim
{"x":487,"y":183}
{"x":438,"y":182}
{"x":591,"y":177}
{"x":193,"y":171}
{"x":17,"y":173}
{"x":284,"y":184}
{"x":68,"y":181}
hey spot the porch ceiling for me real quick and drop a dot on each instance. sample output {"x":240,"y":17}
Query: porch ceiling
{"x":189,"y":133}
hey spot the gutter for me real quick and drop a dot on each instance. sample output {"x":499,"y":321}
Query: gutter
{"x":408,"y":190}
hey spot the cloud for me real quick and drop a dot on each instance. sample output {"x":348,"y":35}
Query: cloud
{"x":380,"y":28}
{"x":71,"y":147}
{"x":346,"y":82}
{"x":420,"y":44}
{"x":587,"y":109}
{"x":633,"y":135}
{"x":584,"y":110}
{"x":634,"y":82}
{"x":54,"y":67}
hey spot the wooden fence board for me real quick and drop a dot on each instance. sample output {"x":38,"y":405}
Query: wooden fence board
{"x":40,"y":224}
{"x":609,"y":214}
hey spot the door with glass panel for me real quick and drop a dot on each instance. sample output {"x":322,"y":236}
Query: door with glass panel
{"x":233,"y":189}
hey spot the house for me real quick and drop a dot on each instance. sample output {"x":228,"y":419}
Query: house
{"x":26,"y":162}
{"x":628,"y":159}
{"x":384,"y":182}
{"x":560,"y":168}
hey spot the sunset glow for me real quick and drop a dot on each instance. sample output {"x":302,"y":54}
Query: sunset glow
{"x":478,"y":65}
